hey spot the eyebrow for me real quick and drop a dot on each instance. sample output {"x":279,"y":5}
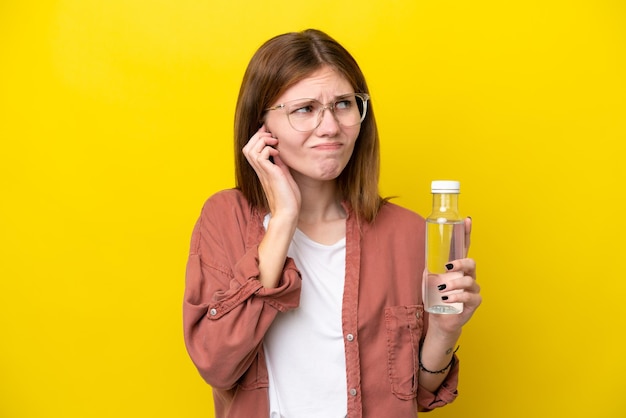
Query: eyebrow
{"x":317,"y":100}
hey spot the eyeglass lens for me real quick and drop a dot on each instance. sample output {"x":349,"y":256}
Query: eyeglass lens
{"x":306,"y":114}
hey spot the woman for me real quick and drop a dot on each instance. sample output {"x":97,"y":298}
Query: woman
{"x":303,"y":291}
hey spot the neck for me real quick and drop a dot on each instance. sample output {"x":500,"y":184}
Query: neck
{"x":320,"y":202}
{"x":322,"y":217}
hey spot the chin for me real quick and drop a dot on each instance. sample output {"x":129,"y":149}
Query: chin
{"x":330,"y":175}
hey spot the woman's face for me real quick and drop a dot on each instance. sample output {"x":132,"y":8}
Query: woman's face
{"x":323,"y":153}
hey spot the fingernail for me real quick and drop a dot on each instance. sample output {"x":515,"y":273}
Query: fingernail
{"x":444,"y":298}
{"x":441,"y":286}
{"x":449,"y":266}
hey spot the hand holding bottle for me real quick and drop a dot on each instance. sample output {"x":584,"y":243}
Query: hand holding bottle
{"x":463,"y":289}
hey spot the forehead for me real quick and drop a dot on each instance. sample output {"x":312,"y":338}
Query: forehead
{"x":323,"y":84}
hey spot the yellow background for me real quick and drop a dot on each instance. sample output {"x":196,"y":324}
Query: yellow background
{"x":116,"y":124}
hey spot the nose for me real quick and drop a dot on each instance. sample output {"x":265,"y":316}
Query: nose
{"x":328,"y":123}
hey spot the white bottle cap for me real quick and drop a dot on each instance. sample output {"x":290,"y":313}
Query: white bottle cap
{"x":445,"y":186}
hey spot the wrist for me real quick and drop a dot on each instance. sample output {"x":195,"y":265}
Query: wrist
{"x":442,"y":370}
{"x":284,"y":221}
{"x":442,"y":337}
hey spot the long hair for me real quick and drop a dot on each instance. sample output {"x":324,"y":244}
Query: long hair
{"x":277,"y":65}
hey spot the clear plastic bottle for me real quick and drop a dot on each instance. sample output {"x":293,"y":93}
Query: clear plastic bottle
{"x":445,"y":241}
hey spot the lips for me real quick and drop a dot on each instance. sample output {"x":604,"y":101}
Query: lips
{"x":328,"y":146}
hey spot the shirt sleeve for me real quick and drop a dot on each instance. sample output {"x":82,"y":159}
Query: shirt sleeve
{"x":446,"y":393}
{"x":226,"y":310}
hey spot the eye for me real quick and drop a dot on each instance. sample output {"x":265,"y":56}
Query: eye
{"x":302,"y":108}
{"x":343,"y":104}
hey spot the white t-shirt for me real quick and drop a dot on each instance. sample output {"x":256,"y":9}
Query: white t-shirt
{"x":304,"y":347}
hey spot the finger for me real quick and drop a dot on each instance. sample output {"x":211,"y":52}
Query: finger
{"x":466,"y":283}
{"x":260,"y":133}
{"x":260,"y":146}
{"x":278,"y":161}
{"x":466,"y":265}
{"x":261,"y":140}
{"x":470,"y":300}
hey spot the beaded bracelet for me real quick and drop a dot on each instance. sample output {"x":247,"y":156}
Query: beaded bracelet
{"x":441,"y":371}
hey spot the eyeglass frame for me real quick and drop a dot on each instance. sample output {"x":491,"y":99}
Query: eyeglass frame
{"x":330,"y":106}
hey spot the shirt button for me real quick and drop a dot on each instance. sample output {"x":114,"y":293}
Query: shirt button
{"x":213,"y":312}
{"x":417,"y":314}
{"x":353,"y":392}
{"x":350,"y":337}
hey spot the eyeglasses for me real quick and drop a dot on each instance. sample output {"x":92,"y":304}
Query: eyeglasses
{"x":305,"y":115}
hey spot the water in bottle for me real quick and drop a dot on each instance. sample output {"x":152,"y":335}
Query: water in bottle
{"x":445,"y":241}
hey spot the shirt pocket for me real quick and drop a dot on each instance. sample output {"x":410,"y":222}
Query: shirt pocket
{"x":404,"y":326}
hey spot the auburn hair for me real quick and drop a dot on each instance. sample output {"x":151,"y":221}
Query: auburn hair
{"x":278,"y":64}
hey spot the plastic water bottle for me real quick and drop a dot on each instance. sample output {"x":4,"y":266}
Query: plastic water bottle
{"x":445,"y":241}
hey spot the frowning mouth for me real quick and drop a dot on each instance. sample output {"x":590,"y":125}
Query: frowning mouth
{"x":328,"y":146}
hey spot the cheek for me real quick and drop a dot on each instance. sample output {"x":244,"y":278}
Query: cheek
{"x":355,"y":135}
{"x":289,"y":143}
{"x":276,"y":127}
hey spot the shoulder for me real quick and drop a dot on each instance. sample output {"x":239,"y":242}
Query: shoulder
{"x":396,"y":214}
{"x":225,"y":218}
{"x":395,"y":221}
{"x":226,"y":197}
{"x":225,"y":208}
{"x":395,"y":229}
{"x":226,"y":200}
